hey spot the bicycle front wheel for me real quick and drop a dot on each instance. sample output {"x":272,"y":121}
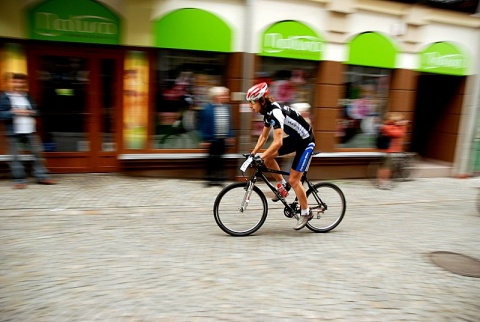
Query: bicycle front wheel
{"x":328,"y":206}
{"x":238,"y":213}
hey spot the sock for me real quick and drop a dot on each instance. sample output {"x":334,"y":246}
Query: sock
{"x":305,"y":212}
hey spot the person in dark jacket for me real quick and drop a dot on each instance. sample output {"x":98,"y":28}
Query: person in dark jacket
{"x":215,"y":126}
{"x":18,"y":110}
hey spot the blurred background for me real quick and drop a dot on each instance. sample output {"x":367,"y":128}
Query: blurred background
{"x":119,"y":83}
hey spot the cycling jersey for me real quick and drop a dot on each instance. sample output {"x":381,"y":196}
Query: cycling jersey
{"x":300,"y":136}
{"x":289,"y":120}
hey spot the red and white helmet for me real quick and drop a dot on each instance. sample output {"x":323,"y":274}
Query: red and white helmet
{"x":257,"y":91}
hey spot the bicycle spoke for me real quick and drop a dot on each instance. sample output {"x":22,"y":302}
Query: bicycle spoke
{"x":237,"y":213}
{"x":329,"y":212}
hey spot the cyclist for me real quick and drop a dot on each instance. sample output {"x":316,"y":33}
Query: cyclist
{"x":300,"y":140}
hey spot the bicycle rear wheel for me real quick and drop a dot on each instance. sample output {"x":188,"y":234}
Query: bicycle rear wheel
{"x":328,"y":206}
{"x":236,"y":213}
{"x":407,"y":166}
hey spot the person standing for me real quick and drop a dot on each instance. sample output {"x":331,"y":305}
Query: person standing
{"x":395,"y":127}
{"x":215,"y":125}
{"x":300,"y":140}
{"x":19,"y":111}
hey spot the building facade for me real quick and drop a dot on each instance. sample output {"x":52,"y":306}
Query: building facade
{"x":119,"y":83}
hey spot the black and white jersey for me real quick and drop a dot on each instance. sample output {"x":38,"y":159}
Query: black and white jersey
{"x":289,"y":120}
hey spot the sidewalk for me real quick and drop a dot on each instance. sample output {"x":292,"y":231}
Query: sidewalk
{"x":114,"y":248}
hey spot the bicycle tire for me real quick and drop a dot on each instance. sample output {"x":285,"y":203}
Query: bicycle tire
{"x":324,"y":220}
{"x":408,"y":166}
{"x":229,"y":217}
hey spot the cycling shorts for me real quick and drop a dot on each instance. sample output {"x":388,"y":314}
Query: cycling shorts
{"x":303,"y":151}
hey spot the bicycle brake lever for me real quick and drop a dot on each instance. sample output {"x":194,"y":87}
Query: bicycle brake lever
{"x":245,"y":164}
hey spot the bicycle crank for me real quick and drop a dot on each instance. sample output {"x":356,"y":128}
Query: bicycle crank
{"x":290,"y":211}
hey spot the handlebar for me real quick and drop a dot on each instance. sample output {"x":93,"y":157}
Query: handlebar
{"x":252,"y":161}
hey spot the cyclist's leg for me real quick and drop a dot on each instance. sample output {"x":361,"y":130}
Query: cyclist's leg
{"x":273,"y":164}
{"x":287,"y":147}
{"x":299,"y":166}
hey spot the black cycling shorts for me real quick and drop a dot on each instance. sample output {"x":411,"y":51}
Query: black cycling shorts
{"x":303,"y":151}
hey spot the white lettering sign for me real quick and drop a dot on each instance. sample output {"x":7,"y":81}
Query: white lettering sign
{"x":49,"y":24}
{"x":436,"y":60}
{"x":275,"y":43}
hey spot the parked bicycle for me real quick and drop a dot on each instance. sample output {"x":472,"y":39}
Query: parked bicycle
{"x":404,"y":165}
{"x":241,"y":208}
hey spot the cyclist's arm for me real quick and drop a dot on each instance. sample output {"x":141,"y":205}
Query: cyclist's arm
{"x":261,"y":139}
{"x":272,"y":150}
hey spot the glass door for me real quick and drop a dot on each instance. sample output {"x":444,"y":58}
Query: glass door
{"x":65,"y":82}
{"x":78,"y":105}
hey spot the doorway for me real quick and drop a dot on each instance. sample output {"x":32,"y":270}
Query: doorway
{"x":437,"y":116}
{"x":79,"y":95}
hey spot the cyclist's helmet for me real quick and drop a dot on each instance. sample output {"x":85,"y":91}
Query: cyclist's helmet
{"x":257,"y":91}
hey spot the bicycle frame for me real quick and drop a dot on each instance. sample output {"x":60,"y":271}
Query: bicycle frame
{"x":259,"y":174}
{"x":234,"y":219}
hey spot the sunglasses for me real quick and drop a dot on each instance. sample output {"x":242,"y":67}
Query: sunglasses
{"x":252,"y":102}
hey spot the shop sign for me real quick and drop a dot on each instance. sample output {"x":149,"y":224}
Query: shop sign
{"x":372,"y":49}
{"x":443,"y":58}
{"x":80,"y":21}
{"x":192,"y":29}
{"x":292,"y":39}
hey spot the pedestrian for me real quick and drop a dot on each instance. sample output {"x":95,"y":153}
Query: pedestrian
{"x":300,"y":140}
{"x":394,"y":127}
{"x":19,"y":112}
{"x":215,"y":125}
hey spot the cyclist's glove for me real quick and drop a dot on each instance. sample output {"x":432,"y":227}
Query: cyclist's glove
{"x":258,"y":160}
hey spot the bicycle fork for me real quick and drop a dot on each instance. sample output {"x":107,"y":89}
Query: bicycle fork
{"x":248,"y":193}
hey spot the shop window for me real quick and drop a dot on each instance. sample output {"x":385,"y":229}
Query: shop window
{"x":183,"y":80}
{"x":363,"y":106}
{"x":135,"y":99}
{"x":291,"y":82}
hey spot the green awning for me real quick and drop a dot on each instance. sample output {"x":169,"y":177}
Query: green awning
{"x":443,"y":58}
{"x":291,"y":39}
{"x":85,"y":21}
{"x":372,"y":49}
{"x":192,"y":29}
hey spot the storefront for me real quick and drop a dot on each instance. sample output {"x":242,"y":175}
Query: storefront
{"x":183,"y":66}
{"x":190,"y":61}
{"x":443,"y":71}
{"x":120,"y":83}
{"x":368,"y":74}
{"x":74,"y":67}
{"x":111,"y":108}
{"x":288,"y":60}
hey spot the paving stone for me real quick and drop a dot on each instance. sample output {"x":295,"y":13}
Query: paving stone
{"x":116,"y":248}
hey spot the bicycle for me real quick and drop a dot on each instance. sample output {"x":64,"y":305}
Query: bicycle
{"x":404,"y":165}
{"x":241,"y":208}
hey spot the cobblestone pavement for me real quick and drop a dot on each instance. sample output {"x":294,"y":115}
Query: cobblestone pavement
{"x":115,"y":248}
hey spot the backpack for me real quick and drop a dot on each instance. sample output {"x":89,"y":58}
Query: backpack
{"x":382,"y":141}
